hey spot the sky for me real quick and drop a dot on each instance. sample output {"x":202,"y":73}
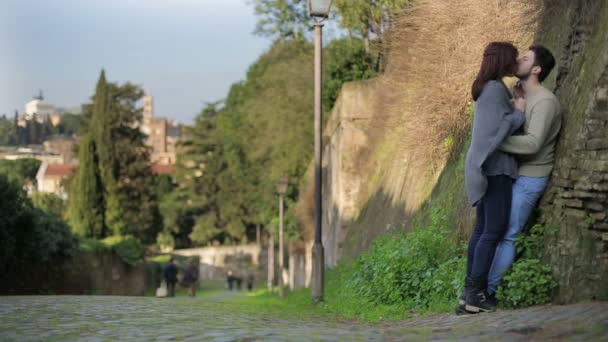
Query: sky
{"x":183,"y":52}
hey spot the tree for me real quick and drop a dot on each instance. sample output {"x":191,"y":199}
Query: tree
{"x":49,"y":203}
{"x":120,"y":161}
{"x":370,"y":19}
{"x":86,"y":206}
{"x":281,"y":19}
{"x":28,"y":235}
{"x":191,"y":212}
{"x":346,"y":60}
{"x":7,"y":132}
{"x":71,"y":123}
{"x":20,"y":170}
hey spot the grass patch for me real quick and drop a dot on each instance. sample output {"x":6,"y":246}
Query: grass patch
{"x":401,"y":276}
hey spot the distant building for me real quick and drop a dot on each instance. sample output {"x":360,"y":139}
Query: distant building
{"x":42,"y":112}
{"x":50,"y":176}
{"x":39,"y":109}
{"x":163,"y":134}
{"x":162,"y":169}
{"x":43,"y":156}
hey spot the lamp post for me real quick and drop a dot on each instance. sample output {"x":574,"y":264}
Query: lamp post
{"x":270,"y":257}
{"x":281,"y":189}
{"x":319,"y":10}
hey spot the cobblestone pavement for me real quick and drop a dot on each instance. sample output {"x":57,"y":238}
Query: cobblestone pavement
{"x":98,"y":318}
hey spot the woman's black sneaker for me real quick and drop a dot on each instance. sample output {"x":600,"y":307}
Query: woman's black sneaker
{"x":479,"y":301}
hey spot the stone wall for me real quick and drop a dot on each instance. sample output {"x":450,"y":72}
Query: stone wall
{"x":576,"y":202}
{"x":98,"y":273}
{"x":216,"y":261}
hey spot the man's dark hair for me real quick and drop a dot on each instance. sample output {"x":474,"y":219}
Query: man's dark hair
{"x":544,"y":59}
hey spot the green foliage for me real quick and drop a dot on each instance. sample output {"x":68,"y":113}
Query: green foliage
{"x":85,"y":211}
{"x":71,"y":123}
{"x":228,"y":168}
{"x":165,"y":240}
{"x":20,"y":170}
{"x":8,"y":134}
{"x":128,"y":248}
{"x":114,"y":190}
{"x":530,"y":280}
{"x":92,"y":245}
{"x":191,"y":211}
{"x":29,"y":235}
{"x":367,"y":17}
{"x":48,"y":202}
{"x":413,"y":268}
{"x":345,"y":60}
{"x":281,"y":19}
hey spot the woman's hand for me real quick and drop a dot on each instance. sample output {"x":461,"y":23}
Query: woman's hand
{"x":518,"y":90}
{"x":520,"y":104}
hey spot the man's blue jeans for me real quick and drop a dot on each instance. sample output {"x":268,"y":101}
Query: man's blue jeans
{"x":526,"y":192}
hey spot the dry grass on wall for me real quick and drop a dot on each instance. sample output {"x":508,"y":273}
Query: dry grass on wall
{"x":435,"y":52}
{"x":408,"y":112}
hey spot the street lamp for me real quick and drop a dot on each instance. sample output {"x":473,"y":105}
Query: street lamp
{"x":319,"y":10}
{"x":281,"y":189}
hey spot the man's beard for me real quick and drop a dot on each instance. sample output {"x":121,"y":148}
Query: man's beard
{"x":524,"y":76}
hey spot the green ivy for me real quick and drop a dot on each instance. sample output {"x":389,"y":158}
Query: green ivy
{"x":128,"y":248}
{"x":530,"y":280}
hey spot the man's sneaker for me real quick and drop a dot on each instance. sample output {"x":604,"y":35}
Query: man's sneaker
{"x":492,"y":300}
{"x":479,"y":301}
{"x":462,"y":298}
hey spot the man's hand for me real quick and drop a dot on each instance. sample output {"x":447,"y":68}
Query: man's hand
{"x":520,"y":104}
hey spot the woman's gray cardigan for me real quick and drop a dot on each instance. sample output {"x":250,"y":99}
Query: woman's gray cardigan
{"x":494,"y":120}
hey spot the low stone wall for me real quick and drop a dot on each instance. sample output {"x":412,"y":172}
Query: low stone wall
{"x":99,"y":273}
{"x":216,"y":261}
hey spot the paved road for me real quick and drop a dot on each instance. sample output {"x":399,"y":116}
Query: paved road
{"x":99,"y":318}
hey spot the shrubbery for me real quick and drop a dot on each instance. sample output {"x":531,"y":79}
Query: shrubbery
{"x":128,"y":248}
{"x":419,"y":269}
{"x":27,"y":234}
{"x":530,"y":280}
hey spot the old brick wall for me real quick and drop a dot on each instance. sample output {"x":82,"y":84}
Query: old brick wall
{"x":576,"y":202}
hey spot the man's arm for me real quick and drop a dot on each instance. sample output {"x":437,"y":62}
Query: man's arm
{"x":531,"y":142}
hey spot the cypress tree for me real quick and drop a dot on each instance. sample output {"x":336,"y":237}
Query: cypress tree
{"x":102,"y":123}
{"x":85,"y":205}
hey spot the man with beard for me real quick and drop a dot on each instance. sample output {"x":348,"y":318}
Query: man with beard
{"x":534,"y":150}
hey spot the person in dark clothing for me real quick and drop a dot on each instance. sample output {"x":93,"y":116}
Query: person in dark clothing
{"x":250,"y":282}
{"x":170,"y":275}
{"x":239,"y":282}
{"x":190,"y":279}
{"x":229,"y":280}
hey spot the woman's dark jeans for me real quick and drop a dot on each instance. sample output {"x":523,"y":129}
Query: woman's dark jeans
{"x":492,"y":222}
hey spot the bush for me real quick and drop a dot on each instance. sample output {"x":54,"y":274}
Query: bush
{"x":128,"y":248}
{"x":530,"y":281}
{"x":48,"y":202}
{"x":29,"y":235}
{"x":420,"y":269}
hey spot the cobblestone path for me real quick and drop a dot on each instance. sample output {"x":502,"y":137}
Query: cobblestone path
{"x":99,"y":318}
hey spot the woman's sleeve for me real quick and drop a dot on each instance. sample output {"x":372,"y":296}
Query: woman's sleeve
{"x":512,"y":120}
